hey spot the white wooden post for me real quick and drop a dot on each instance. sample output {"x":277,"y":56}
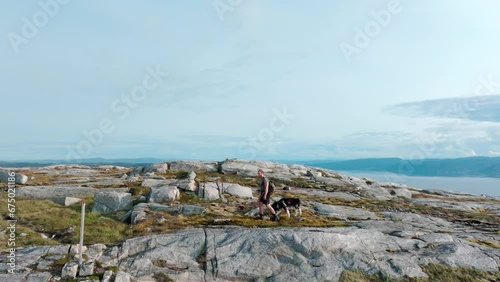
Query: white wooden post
{"x":82,"y":224}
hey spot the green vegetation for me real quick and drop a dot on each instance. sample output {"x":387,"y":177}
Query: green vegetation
{"x":162,"y":277}
{"x":58,"y":265}
{"x":44,"y":216}
{"x":443,"y":273}
{"x":358,"y":276}
{"x":160,"y":263}
{"x":449,"y":199}
{"x":486,"y":243}
{"x":438,"y":273}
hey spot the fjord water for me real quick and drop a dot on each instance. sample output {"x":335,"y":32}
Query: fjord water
{"x":471,"y":185}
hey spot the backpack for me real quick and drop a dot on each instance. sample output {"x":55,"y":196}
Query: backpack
{"x":270,"y":188}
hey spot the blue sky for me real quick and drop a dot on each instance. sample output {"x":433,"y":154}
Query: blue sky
{"x":249,"y":79}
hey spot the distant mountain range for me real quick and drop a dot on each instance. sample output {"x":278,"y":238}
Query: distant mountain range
{"x":471,"y":166}
{"x":90,"y":162}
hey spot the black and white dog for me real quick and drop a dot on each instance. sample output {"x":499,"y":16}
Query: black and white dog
{"x":285,"y":204}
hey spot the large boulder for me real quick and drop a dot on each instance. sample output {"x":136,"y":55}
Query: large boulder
{"x":110,"y":202}
{"x":187,"y":185}
{"x":18,"y":177}
{"x":156,"y":168}
{"x":161,"y":194}
{"x":209,"y":191}
{"x":208,"y":166}
{"x":237,"y":190}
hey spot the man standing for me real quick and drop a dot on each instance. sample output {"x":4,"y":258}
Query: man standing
{"x":265,"y":197}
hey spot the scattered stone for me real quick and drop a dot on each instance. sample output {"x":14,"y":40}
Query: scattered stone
{"x":64,"y":233}
{"x":237,"y":190}
{"x":107,"y":276}
{"x":18,"y":178}
{"x":70,"y":270}
{"x":87,"y":268}
{"x":66,"y":201}
{"x":75,"y":249}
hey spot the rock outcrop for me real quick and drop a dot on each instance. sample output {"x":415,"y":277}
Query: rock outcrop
{"x":194,"y":166}
{"x":201,"y":228}
{"x":284,"y":254}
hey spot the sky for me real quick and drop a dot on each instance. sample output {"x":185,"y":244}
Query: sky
{"x":216,"y":79}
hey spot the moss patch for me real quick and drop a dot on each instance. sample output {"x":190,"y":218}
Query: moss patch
{"x":162,"y":277}
{"x":436,"y":273}
{"x":486,"y":243}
